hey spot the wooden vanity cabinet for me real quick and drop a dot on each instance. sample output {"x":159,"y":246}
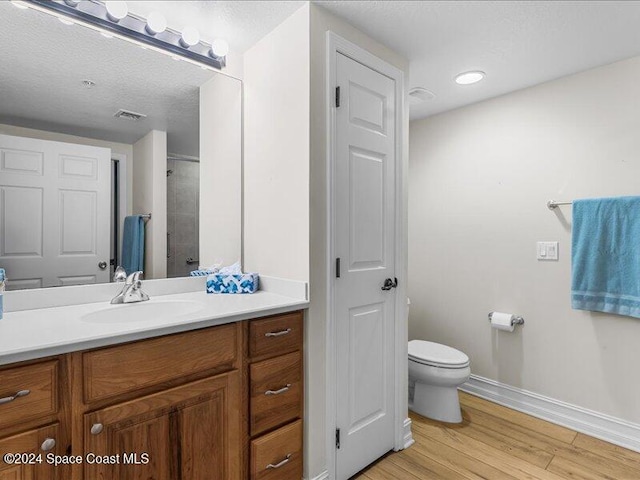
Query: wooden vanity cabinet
{"x":33,"y":445}
{"x":220,"y":403}
{"x":31,"y":395}
{"x":187,"y":432}
{"x":275,"y":398}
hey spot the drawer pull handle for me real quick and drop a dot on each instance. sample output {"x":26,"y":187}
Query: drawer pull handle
{"x":278,"y":334}
{"x":280,"y":464}
{"x":278,"y":392}
{"x":48,"y":444}
{"x":21,"y":393}
{"x":96,"y":429}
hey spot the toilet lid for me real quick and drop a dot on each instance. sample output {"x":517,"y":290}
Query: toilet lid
{"x":437,"y":355}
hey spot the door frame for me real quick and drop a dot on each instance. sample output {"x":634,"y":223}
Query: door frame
{"x":123,"y":184}
{"x":402,"y":424}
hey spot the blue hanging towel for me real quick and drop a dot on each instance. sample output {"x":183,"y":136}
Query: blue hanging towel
{"x":133,"y":244}
{"x":605,"y":255}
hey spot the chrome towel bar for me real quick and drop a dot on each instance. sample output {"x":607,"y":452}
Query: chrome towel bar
{"x":552,"y":204}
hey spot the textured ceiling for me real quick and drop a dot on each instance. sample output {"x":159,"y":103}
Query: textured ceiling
{"x":517,"y":43}
{"x":43,"y":63}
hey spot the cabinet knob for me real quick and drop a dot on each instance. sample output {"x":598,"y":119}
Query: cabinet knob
{"x":96,"y":428}
{"x":48,"y":444}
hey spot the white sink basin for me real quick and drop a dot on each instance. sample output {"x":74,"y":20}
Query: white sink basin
{"x":143,"y":311}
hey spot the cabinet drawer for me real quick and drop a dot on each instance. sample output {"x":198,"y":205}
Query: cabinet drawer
{"x":41,"y":441}
{"x":126,"y":368}
{"x":276,"y":391}
{"x":278,"y":455}
{"x":38,"y":398}
{"x":275,"y":335}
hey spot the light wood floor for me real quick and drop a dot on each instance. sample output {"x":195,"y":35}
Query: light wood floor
{"x":494,"y":442}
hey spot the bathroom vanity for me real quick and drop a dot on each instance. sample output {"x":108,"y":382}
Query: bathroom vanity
{"x":219,"y":402}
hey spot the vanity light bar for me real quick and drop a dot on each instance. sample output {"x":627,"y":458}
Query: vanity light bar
{"x":93,"y":14}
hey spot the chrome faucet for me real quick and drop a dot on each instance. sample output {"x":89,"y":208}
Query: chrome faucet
{"x":132,"y":290}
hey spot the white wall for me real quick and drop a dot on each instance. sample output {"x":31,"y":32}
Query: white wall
{"x":276,"y":151}
{"x":322,"y":21}
{"x":220,"y":171}
{"x":150,"y":196}
{"x":121,"y":148}
{"x":480,"y":178}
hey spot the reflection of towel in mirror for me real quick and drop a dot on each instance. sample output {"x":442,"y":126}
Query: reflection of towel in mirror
{"x":133,"y":244}
{"x":605,"y":255}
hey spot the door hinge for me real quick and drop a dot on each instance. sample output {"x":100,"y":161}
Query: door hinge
{"x":337,"y":97}
{"x":337,"y":438}
{"x":338,"y":267}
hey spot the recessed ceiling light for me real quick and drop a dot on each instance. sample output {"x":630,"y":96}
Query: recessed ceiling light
{"x":19,"y":4}
{"x":467,"y":78}
{"x":419,"y":95}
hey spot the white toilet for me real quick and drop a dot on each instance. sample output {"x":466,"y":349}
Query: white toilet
{"x":435,"y":372}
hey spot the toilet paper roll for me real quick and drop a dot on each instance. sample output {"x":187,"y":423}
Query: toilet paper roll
{"x":502,"y":321}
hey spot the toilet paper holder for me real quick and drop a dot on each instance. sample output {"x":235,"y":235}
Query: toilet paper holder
{"x":516,"y":320}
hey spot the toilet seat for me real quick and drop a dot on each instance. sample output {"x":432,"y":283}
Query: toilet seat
{"x":436,"y":355}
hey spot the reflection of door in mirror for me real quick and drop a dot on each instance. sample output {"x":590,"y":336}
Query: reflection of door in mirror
{"x":54,"y":212}
{"x":183,"y":186}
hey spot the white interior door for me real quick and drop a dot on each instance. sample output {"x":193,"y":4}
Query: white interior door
{"x":54,"y":212}
{"x":364,"y":189}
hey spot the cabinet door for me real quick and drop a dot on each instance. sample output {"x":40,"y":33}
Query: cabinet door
{"x":188,"y":432}
{"x":38,"y":442}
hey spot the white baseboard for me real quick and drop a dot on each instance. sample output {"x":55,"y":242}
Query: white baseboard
{"x":598,"y":425}
{"x":323,"y":476}
{"x":408,"y":436}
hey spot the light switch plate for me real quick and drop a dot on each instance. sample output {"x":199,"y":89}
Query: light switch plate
{"x":547,"y":250}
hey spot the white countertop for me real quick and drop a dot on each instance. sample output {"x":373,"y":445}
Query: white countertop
{"x":31,"y":334}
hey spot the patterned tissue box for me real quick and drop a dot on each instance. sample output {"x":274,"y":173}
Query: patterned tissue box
{"x":243,"y":283}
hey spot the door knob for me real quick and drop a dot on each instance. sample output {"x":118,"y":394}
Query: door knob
{"x":102,"y":265}
{"x":389,"y":284}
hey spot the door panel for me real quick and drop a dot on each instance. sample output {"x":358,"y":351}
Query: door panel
{"x":366,"y":365}
{"x":367,"y":225}
{"x":20,"y":238}
{"x":31,"y":442}
{"x":187,"y":432}
{"x":54,"y":212}
{"x":364,"y":195}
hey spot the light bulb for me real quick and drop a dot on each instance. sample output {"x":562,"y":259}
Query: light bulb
{"x":219,"y":48}
{"x":190,"y":37}
{"x":156,"y":23}
{"x":19,"y":5}
{"x":65,"y":20}
{"x":116,"y":10}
